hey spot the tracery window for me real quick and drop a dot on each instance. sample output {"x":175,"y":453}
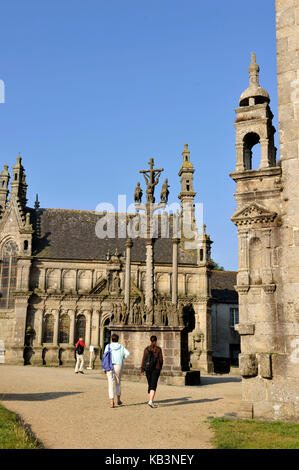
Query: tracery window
{"x":80,"y":327}
{"x":48,"y":329}
{"x":8,"y":274}
{"x":64,"y":329}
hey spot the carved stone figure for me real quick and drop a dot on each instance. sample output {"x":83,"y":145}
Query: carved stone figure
{"x":116,"y":312}
{"x":138,"y":315}
{"x":115,"y":281}
{"x":124,"y":313}
{"x":138,"y":194}
{"x":165,"y":192}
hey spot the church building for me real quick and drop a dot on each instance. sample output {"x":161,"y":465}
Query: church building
{"x":59,"y":281}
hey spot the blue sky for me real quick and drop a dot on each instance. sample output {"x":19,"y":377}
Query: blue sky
{"x":94,"y":89}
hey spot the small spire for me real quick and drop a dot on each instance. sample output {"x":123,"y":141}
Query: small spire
{"x":36,"y":204}
{"x":254,"y":71}
{"x":5,"y":171}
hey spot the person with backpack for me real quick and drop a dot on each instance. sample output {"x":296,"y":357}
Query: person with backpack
{"x":152,"y":363}
{"x":79,"y":352}
{"x":112,"y":363}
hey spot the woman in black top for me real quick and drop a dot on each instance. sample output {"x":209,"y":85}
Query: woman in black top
{"x":152,"y":363}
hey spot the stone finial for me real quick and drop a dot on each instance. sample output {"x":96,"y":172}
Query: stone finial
{"x":254,"y":94}
{"x":19,"y":162}
{"x":36,"y":204}
{"x":5,"y":171}
{"x":253,"y":71}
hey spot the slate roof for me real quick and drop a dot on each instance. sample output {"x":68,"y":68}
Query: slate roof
{"x":70,"y":234}
{"x":222,"y":286}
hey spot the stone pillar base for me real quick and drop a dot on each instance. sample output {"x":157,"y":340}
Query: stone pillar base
{"x":66,"y":355}
{"x":14,"y":355}
{"x":37,"y":356}
{"x":50,"y":355}
{"x":137,"y":338}
{"x":246,"y":410}
{"x":204,"y":363}
{"x":179,"y":378}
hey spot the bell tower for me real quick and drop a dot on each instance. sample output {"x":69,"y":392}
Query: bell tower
{"x":4,"y":180}
{"x":187,"y":194}
{"x":258,"y":220}
{"x":18,"y":184}
{"x":254,"y":123}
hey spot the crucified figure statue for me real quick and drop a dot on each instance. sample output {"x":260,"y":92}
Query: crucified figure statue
{"x":151,"y":177}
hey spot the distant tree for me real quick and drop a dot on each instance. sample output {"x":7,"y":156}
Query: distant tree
{"x":216,"y":266}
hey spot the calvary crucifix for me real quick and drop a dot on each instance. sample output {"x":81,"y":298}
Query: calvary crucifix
{"x":151,"y":177}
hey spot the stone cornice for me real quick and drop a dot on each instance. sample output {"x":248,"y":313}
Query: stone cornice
{"x":262,"y":172}
{"x":268,"y":288}
{"x":254,"y":215}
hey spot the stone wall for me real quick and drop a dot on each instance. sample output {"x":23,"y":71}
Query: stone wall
{"x":170,"y":340}
{"x":268,"y":221}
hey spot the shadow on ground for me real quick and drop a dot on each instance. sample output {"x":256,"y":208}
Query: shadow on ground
{"x":35,"y":396}
{"x":184,"y":401}
{"x":176,"y":402}
{"x":218,"y":380}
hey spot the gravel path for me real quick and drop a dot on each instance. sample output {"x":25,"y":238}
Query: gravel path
{"x":71,"y":411}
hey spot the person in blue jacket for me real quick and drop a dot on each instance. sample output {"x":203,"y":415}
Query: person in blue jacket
{"x":119,"y":353}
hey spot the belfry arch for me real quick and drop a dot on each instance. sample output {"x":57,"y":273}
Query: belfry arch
{"x":251,"y":140}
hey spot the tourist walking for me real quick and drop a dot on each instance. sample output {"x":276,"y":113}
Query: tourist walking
{"x":80,"y":345}
{"x":118,"y":354}
{"x":152,"y":363}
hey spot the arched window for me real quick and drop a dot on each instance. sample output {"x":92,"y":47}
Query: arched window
{"x":80,"y":327}
{"x":25,"y":246}
{"x":252,"y":158}
{"x":64,"y":329}
{"x":48,"y":329}
{"x":8,"y":274}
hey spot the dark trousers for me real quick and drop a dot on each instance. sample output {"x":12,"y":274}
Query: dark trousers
{"x":152,"y":379}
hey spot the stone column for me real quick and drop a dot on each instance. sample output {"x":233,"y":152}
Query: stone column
{"x":72,"y":326}
{"x":39,"y":329}
{"x":175,"y":242}
{"x":264,"y":153}
{"x":240,"y":156}
{"x":56,"y":327}
{"x":87,"y":314}
{"x":95,"y":328}
{"x":129,"y":245}
{"x":243,"y":273}
{"x":149,"y":282}
{"x":203,"y":357}
{"x":36,"y":358}
{"x":14,"y":354}
{"x":185,"y":284}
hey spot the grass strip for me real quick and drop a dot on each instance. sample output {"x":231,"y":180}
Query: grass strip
{"x":13,"y":435}
{"x":250,"y":434}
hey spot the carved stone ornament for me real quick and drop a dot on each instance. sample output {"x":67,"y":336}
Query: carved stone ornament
{"x":254,"y":215}
{"x":269,"y":288}
{"x":242,"y":289}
